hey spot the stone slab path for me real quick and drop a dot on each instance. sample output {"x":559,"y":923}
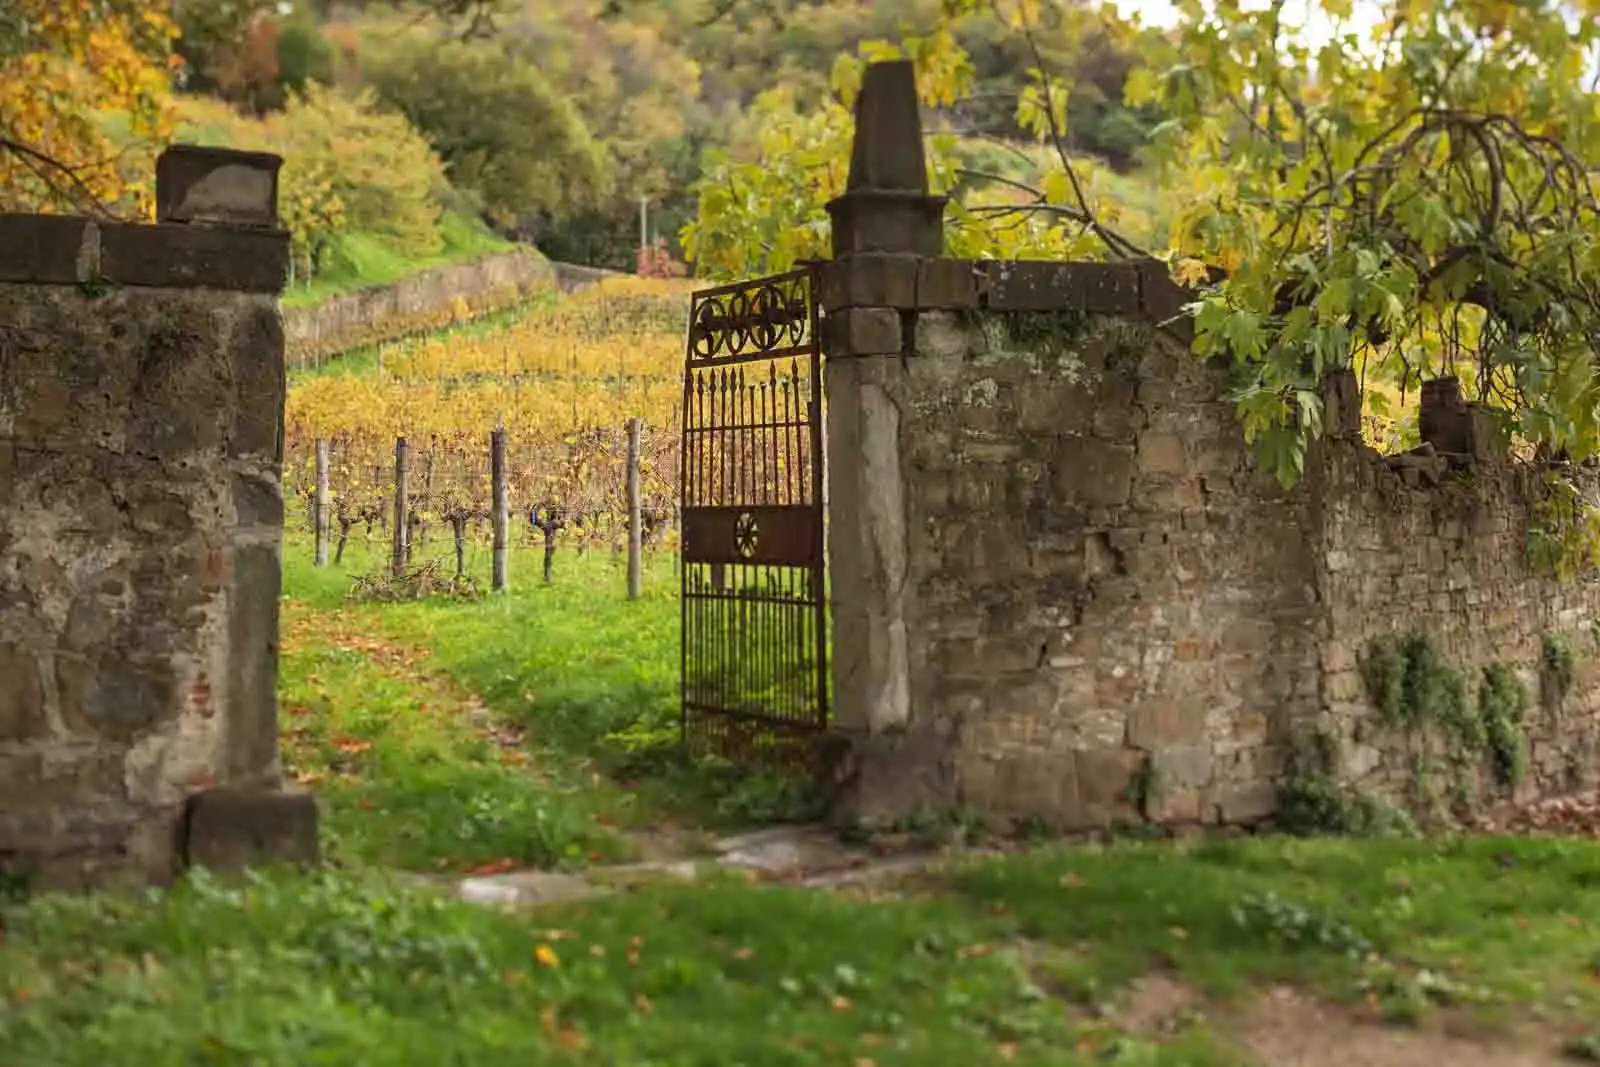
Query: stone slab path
{"x":810,"y":856}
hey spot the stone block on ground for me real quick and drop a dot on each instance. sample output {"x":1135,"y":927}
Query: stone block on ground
{"x":228,"y":829}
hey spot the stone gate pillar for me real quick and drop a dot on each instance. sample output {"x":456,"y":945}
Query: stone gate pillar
{"x":141,"y":516}
{"x":887,"y":229}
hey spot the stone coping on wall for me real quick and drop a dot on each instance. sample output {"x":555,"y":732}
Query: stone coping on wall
{"x":864,"y":294}
{"x":74,"y":250}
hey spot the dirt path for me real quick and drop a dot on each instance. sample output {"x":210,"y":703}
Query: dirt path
{"x":1284,"y":1027}
{"x":350,"y":685}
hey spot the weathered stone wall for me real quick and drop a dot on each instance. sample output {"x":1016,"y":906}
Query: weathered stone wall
{"x":1076,"y":490}
{"x":1062,"y":589}
{"x":1439,"y":545}
{"x":141,"y":399}
{"x":426,"y":299}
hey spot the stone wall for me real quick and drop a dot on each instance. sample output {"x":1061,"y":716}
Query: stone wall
{"x":1062,"y":590}
{"x":427,"y":299}
{"x":1439,"y":544}
{"x":141,"y":400}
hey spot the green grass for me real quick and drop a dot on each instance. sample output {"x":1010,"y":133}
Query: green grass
{"x":337,"y":970}
{"x":361,"y":261}
{"x":575,"y":660}
{"x":410,"y":772}
{"x":583,"y":680}
{"x":1487,"y":922}
{"x":1000,"y":959}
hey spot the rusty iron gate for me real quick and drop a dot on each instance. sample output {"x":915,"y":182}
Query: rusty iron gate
{"x":755,"y":671}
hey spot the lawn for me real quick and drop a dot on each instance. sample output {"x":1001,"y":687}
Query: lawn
{"x":533,"y":730}
{"x":537,"y":728}
{"x":1011,"y":959}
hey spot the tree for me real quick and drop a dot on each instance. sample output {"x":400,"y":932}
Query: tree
{"x":250,"y":54}
{"x":1414,"y":206}
{"x":62,"y":64}
{"x":503,"y":132}
{"x":1411,"y":205}
{"x":642,"y":97}
{"x":761,"y":201}
{"x":349,"y":167}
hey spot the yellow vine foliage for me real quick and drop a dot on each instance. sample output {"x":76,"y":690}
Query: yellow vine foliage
{"x":64,"y":65}
{"x":563,"y":380}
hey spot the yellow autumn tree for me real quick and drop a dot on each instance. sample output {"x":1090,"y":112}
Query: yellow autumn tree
{"x":66,"y":68}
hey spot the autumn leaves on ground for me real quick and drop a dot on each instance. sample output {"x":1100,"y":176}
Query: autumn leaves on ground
{"x":534,"y":731}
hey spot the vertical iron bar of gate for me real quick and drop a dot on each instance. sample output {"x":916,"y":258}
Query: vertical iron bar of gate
{"x":685,"y":446}
{"x":820,"y":562}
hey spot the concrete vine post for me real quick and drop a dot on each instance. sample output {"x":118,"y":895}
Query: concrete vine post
{"x":320,"y":518}
{"x":635,"y":526}
{"x":401,"y":507}
{"x":500,"y":506}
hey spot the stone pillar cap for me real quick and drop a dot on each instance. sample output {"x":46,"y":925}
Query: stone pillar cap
{"x":198,"y":184}
{"x":886,"y":206}
{"x":886,"y":154}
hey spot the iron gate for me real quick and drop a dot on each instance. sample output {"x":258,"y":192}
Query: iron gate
{"x":755,"y":672}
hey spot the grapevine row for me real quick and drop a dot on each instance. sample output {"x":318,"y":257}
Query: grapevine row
{"x":574,"y":489}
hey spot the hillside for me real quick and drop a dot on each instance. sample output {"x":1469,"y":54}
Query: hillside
{"x":415,"y":135}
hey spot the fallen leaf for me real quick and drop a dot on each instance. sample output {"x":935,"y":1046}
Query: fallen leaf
{"x":642,"y":1002}
{"x":499,"y":866}
{"x":1007,"y":1051}
{"x":743,"y":953}
{"x":597,"y":951}
{"x":553,"y":1030}
{"x":975,"y":950}
{"x":1179,"y":932}
{"x":1071,"y":881}
{"x":840,"y":1003}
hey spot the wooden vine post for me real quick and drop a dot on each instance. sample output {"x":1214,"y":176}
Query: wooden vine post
{"x":500,"y":506}
{"x":402,"y":509}
{"x":635,"y":526}
{"x":320,"y":504}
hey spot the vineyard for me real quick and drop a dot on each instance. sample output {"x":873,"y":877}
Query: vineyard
{"x":562,"y":379}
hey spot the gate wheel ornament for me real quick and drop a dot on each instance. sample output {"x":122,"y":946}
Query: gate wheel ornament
{"x":746,"y":534}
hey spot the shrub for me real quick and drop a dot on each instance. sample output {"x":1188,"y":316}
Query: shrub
{"x":348,"y":167}
{"x":385,"y":173}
